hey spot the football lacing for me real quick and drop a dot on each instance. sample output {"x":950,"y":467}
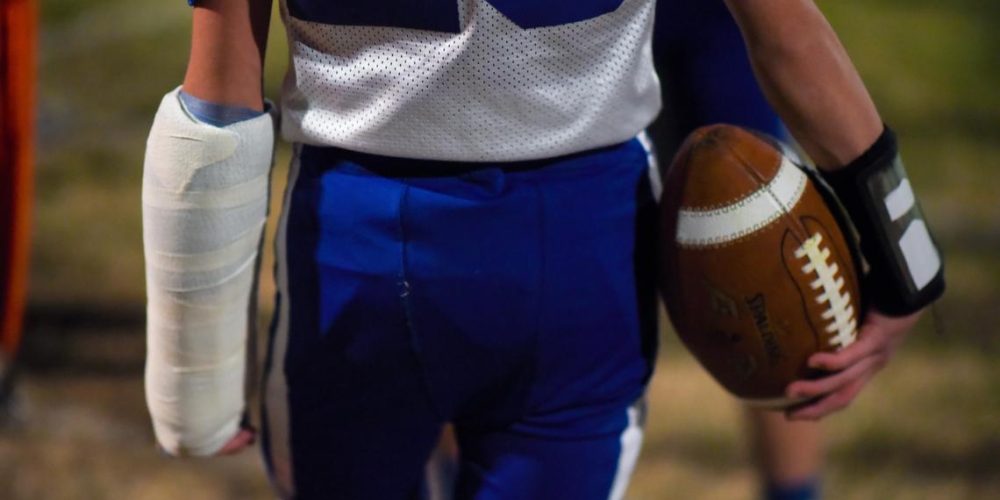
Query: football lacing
{"x":830,"y":285}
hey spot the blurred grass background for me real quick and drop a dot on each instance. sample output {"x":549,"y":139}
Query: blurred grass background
{"x":928,"y":427}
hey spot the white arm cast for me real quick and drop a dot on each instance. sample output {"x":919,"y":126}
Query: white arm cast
{"x":204,"y":205}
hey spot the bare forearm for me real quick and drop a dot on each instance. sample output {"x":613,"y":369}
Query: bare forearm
{"x":808,"y":78}
{"x":228,"y":41}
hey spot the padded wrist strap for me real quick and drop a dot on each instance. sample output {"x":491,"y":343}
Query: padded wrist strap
{"x":906,"y":272}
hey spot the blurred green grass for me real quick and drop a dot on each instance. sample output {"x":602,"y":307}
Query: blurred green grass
{"x":928,"y":428}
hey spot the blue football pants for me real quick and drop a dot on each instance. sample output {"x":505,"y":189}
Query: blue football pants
{"x":516,"y":301}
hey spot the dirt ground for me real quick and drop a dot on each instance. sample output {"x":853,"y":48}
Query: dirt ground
{"x":78,"y":429}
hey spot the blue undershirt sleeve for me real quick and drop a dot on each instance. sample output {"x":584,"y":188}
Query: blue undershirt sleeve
{"x":218,"y":115}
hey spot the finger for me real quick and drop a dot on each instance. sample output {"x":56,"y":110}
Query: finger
{"x":242,"y":439}
{"x":804,"y":389}
{"x":870,"y":339}
{"x":829,"y":404}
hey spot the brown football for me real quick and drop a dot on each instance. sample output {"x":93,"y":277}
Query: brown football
{"x":755,"y":271}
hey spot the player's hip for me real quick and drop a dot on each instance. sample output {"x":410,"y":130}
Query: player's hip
{"x":495,"y":273}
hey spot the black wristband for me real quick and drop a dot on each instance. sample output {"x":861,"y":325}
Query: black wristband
{"x":905,"y":268}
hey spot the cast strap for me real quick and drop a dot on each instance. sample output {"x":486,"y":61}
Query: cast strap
{"x":905,"y":268}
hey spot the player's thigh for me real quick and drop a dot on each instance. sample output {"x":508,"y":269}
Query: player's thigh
{"x":347,"y":414}
{"x":597,"y":324}
{"x":514,"y":464}
{"x":579,"y":433}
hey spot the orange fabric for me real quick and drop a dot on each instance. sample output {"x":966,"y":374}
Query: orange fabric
{"x":18,"y":25}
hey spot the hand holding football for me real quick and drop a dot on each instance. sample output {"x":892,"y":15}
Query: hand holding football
{"x":755,"y":271}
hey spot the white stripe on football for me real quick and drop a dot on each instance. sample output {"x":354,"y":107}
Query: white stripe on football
{"x":699,"y":228}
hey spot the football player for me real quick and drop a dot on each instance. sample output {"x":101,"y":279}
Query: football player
{"x":466,"y":237}
{"x":707,"y":78}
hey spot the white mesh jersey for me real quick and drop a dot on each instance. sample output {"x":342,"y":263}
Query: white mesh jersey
{"x":489,"y":90}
